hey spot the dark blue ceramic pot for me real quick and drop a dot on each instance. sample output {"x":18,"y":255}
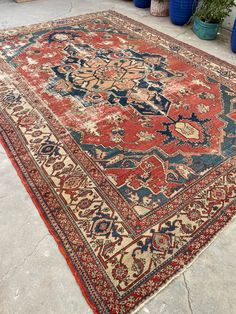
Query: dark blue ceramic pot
{"x":181,"y":11}
{"x":142,"y":3}
{"x":233,"y":38}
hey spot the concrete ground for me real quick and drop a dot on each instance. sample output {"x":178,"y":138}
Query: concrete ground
{"x":34,"y":277}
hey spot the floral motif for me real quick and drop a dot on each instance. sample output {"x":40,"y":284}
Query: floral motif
{"x":194,"y":215}
{"x":120,"y":272}
{"x":116,"y":77}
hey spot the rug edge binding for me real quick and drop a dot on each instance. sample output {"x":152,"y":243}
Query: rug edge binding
{"x":83,"y":289}
{"x":53,"y":22}
{"x":59,"y":243}
{"x":182,"y":271}
{"x":37,"y":205}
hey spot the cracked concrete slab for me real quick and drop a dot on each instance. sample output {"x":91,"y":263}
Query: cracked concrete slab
{"x":188,"y":294}
{"x":211,"y":279}
{"x":11,"y":271}
{"x":55,"y":292}
{"x":35,"y":278}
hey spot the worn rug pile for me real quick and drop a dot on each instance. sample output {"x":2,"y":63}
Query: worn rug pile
{"x":126,"y":140}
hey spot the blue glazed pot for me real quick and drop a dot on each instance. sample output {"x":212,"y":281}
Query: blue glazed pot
{"x":233,"y":38}
{"x":204,"y":30}
{"x":181,"y":11}
{"x":142,"y":3}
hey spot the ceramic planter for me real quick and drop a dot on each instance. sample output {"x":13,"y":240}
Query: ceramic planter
{"x":233,"y":38}
{"x":142,"y":3}
{"x":204,"y":30}
{"x":160,"y":7}
{"x":181,"y":11}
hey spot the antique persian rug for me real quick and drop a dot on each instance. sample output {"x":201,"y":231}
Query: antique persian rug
{"x":126,"y":140}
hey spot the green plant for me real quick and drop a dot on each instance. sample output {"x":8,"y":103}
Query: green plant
{"x":214,"y":11}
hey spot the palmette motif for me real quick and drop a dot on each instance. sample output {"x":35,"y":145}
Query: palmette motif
{"x":126,"y":143}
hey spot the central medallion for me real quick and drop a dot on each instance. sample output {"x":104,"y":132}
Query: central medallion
{"x":101,"y":75}
{"x":125,"y":78}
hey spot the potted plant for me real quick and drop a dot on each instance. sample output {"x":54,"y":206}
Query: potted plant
{"x":181,"y":11}
{"x":160,"y":7}
{"x":209,"y":16}
{"x":142,"y":3}
{"x":233,"y":38}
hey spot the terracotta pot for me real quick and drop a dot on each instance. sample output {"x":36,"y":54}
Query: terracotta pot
{"x":160,"y":7}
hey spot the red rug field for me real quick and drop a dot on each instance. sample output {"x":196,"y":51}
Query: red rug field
{"x":126,"y":140}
